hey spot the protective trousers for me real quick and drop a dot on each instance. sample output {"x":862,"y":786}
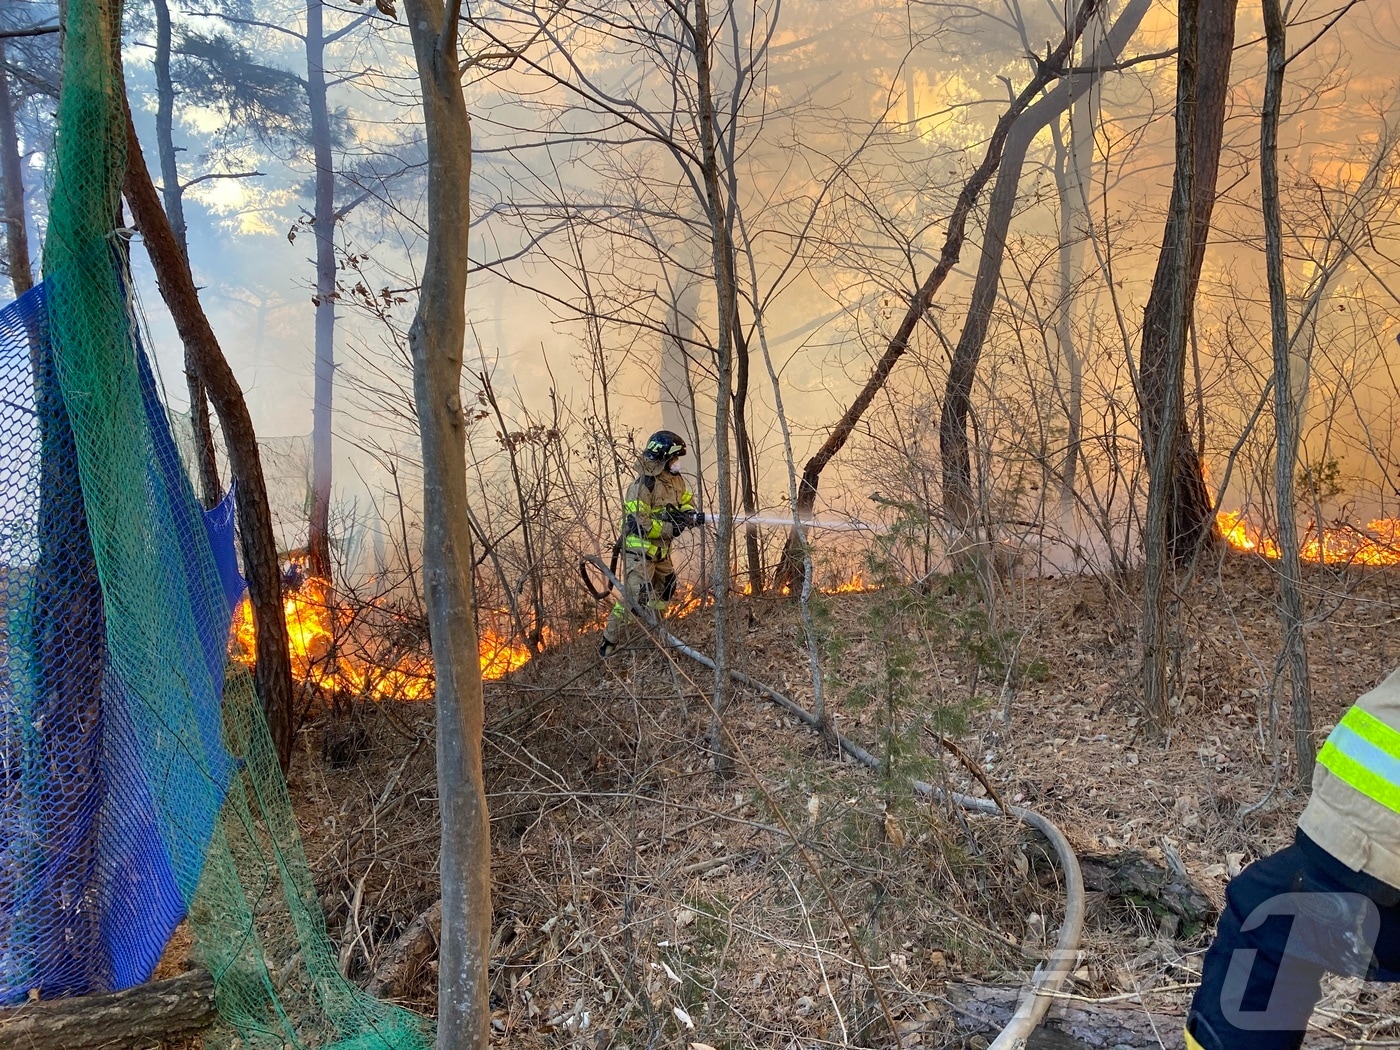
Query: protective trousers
{"x":1288,"y":919}
{"x":648,"y":583}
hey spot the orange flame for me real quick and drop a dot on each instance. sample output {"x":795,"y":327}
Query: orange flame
{"x":1342,"y":544}
{"x":855,"y":585}
{"x":312,"y":617}
{"x":499,"y":655}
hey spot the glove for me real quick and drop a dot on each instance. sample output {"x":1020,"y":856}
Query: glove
{"x":680,"y":520}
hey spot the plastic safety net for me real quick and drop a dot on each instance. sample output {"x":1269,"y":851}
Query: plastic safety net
{"x":140,"y":786}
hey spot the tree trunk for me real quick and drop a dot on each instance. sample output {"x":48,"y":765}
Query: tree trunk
{"x":146,"y":1015}
{"x":435,"y":340}
{"x":744,"y":450}
{"x":1069,"y":1025}
{"x":323,"y":225}
{"x":792,"y":561}
{"x":210,"y":490}
{"x":1074,"y":161}
{"x":165,"y":130}
{"x":1169,"y":310}
{"x":725,"y":297}
{"x":273,"y":672}
{"x":1070,"y":165}
{"x":958,"y":502}
{"x":63,"y":703}
{"x":14,"y":218}
{"x":1161,"y":369}
{"x":1286,"y":409}
{"x":405,"y":958}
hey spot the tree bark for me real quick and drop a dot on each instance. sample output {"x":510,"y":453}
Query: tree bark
{"x":725,"y":297}
{"x":958,"y":502}
{"x":1286,"y":408}
{"x":743,"y":449}
{"x":273,"y":671}
{"x":14,"y":218}
{"x":407,"y":955}
{"x":1165,"y":440}
{"x":146,"y":1015}
{"x":435,"y":340}
{"x":1047,"y":70}
{"x":1161,"y":366}
{"x":210,"y":489}
{"x":1071,"y":1025}
{"x":323,"y":225}
{"x":1072,"y":159}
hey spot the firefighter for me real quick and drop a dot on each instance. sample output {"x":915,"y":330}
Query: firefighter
{"x":657,"y":508}
{"x":1328,"y":902}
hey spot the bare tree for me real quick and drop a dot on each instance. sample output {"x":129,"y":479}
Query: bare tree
{"x":173,"y":195}
{"x":28,"y":84}
{"x":1161,"y":369}
{"x":17,"y":234}
{"x":14,"y":217}
{"x":1048,"y":69}
{"x":435,"y":340}
{"x":958,"y":502}
{"x":324,"y":217}
{"x":273,"y":671}
{"x":1286,"y":406}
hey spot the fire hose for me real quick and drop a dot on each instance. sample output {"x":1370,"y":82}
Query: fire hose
{"x":682,"y":519}
{"x":1048,"y":978}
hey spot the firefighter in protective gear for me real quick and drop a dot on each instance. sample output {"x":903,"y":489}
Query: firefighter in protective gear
{"x":657,"y":507}
{"x":1329,"y":902}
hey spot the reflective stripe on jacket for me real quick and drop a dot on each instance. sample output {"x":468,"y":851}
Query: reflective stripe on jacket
{"x":650,"y":494}
{"x":1354,"y":813}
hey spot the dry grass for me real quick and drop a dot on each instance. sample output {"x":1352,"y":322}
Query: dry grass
{"x":807,"y":901}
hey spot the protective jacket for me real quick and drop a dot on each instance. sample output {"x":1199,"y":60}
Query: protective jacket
{"x":1354,"y":813}
{"x":654,"y":491}
{"x":648,"y":578}
{"x":1338,"y":885}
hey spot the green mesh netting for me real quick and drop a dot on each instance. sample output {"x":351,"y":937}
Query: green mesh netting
{"x":241,"y":874}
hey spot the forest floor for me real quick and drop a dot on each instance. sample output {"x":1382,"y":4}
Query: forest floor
{"x":807,"y":901}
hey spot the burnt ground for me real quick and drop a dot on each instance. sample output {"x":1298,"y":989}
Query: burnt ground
{"x":806,"y":901}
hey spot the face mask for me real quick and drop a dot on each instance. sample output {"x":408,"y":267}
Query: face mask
{"x":673,"y":467}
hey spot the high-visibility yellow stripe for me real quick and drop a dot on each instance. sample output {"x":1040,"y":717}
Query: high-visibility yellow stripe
{"x":1365,"y":780}
{"x":1369,"y":727}
{"x":1191,"y":1043}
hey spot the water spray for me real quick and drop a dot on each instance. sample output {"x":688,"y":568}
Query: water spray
{"x":808,"y":523}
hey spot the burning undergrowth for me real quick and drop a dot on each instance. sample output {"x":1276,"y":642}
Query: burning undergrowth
{"x":1376,"y":544}
{"x":346,"y":646}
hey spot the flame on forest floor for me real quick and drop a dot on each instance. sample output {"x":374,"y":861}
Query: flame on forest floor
{"x":316,"y":624}
{"x":855,"y":585}
{"x":1340,"y":544}
{"x":499,"y":655}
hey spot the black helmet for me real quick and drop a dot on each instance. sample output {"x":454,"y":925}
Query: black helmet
{"x":664,"y":446}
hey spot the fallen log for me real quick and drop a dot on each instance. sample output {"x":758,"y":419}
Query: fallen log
{"x":142,"y":1016}
{"x":1069,"y":1024}
{"x":1165,"y":888}
{"x":406,"y":956}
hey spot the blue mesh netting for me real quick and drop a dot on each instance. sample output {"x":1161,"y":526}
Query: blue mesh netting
{"x":92,"y":880}
{"x":122,"y":808}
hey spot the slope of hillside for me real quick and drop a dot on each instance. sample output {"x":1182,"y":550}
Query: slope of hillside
{"x":641,"y":900}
